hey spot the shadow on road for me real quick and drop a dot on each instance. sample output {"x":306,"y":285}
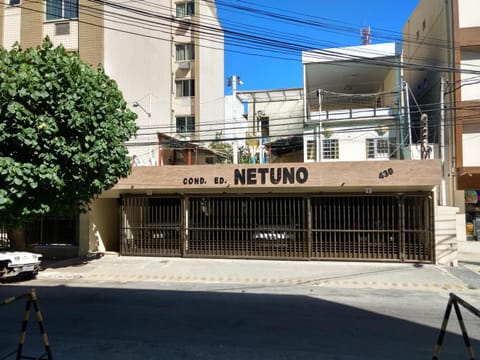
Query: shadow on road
{"x":105,"y":323}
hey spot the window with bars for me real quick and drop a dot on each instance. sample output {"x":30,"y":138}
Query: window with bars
{"x":184,"y":52}
{"x":185,"y":8}
{"x":61,"y":9}
{"x":311,"y":150}
{"x":185,"y":87}
{"x":330,"y":149}
{"x":377,"y":148}
{"x":185,"y":124}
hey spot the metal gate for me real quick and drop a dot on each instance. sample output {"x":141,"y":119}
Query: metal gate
{"x":373,"y":227}
{"x":329,"y":227}
{"x":150,"y":225}
{"x":257,"y":226}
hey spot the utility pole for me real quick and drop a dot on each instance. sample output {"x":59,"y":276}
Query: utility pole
{"x":233,"y":81}
{"x":443,"y":189}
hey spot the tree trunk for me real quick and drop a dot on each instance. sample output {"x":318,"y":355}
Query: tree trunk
{"x":17,"y":238}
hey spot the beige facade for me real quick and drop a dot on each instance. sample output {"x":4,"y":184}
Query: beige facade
{"x":197,"y":184}
{"x":444,"y":36}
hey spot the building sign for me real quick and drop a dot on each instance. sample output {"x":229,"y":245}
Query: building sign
{"x":356,"y":176}
{"x":273,"y":176}
{"x":257,"y":176}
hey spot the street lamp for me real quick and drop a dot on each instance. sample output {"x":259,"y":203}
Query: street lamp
{"x":149,"y":114}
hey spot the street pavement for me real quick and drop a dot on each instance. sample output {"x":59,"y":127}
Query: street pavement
{"x":381,"y":275}
{"x":122,"y":307}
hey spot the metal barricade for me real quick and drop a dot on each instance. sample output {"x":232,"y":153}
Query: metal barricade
{"x":455,"y":301}
{"x":31,"y":299}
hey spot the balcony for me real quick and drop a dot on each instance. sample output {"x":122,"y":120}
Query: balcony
{"x":350,"y":114}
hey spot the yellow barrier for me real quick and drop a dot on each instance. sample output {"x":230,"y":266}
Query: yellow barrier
{"x":454,"y":301}
{"x":31,"y":299}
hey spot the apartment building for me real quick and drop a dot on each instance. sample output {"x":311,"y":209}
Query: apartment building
{"x":442,"y":53}
{"x":166,"y":56}
{"x":352,"y":192}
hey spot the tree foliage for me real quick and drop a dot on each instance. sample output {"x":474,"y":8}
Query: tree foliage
{"x":63,"y":126}
{"x":222,"y":148}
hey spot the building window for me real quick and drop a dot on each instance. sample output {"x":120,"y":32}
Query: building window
{"x":330,"y":149}
{"x":265,"y":126}
{"x":185,"y":87}
{"x":62,"y":9}
{"x":185,"y":9}
{"x":13,"y":2}
{"x":311,"y":150}
{"x":185,"y":124}
{"x":184,"y":52}
{"x":377,"y":148}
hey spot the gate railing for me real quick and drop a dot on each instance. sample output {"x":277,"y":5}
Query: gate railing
{"x":383,"y":227}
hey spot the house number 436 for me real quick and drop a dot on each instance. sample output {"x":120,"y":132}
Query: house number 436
{"x":385,"y":173}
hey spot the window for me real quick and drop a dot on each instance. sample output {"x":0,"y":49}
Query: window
{"x":62,"y":9}
{"x":311,"y":150}
{"x":13,"y":2}
{"x":184,"y":52}
{"x":185,"y":9}
{"x":330,"y":149}
{"x":377,"y":148}
{"x":185,"y":124}
{"x":265,"y":126}
{"x":185,"y":88}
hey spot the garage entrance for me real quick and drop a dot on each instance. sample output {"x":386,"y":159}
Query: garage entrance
{"x":319,"y":227}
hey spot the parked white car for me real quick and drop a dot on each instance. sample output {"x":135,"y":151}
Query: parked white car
{"x":14,"y":263}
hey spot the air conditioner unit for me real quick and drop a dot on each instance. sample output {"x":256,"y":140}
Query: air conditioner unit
{"x":62,"y":29}
{"x":184,"y":64}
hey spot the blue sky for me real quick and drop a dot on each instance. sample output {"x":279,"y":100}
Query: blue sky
{"x":301,"y":24}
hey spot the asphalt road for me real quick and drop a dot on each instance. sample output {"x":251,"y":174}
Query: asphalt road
{"x":109,"y":320}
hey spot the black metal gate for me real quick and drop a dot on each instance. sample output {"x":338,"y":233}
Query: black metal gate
{"x":366,"y":227}
{"x":244,"y":226}
{"x":328,"y":227}
{"x":150,"y":225}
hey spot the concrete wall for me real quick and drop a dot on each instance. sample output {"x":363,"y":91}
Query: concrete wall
{"x":468,"y":13}
{"x":209,"y":73}
{"x":11,"y":21}
{"x":139,"y":58}
{"x":446,"y":235}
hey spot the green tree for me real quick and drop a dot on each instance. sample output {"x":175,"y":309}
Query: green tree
{"x":222,"y":148}
{"x":63,"y":126}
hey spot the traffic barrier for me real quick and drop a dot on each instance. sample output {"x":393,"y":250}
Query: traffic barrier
{"x":455,"y":301}
{"x":31,"y":299}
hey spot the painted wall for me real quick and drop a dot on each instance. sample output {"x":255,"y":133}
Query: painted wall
{"x":470,"y":86}
{"x":468,"y":13}
{"x":471,"y":145}
{"x":446,"y":236}
{"x":103,"y":225}
{"x":11,"y":22}
{"x":209,"y":73}
{"x":139,"y":58}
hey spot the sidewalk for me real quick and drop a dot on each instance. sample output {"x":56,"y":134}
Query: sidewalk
{"x":123,"y":269}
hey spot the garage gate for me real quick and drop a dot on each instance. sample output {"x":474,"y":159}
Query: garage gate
{"x":316,"y":227}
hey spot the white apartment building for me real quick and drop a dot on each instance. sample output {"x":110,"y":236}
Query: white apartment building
{"x":166,"y":56}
